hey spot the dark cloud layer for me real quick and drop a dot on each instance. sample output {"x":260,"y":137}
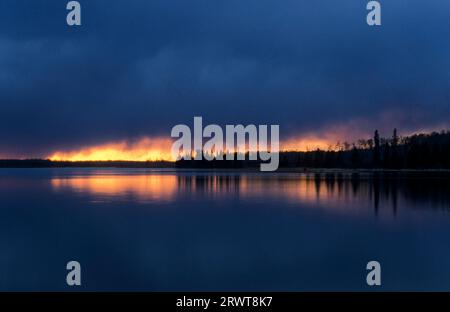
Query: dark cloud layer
{"x":136,"y":68}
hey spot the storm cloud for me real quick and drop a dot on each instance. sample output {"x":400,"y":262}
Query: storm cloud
{"x":136,"y":68}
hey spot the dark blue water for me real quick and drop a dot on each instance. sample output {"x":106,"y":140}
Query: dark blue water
{"x":134,"y":229}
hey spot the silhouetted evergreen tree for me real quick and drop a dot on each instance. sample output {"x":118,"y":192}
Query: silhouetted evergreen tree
{"x":355,"y":157}
{"x":376,"y":149}
{"x":387,"y":155}
{"x":394,"y":150}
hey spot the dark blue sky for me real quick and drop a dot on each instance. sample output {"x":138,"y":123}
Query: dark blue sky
{"x":136,"y":68}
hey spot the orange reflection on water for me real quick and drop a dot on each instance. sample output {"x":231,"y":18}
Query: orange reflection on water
{"x":300,"y":189}
{"x":295,"y":189}
{"x":142,"y":187}
{"x":337,"y":194}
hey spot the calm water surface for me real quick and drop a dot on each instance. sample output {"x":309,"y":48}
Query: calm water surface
{"x":142,"y":229}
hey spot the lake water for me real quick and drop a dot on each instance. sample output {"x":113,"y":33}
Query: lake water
{"x":167,"y":230}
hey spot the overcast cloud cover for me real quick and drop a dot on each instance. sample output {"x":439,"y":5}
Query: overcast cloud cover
{"x":136,"y":68}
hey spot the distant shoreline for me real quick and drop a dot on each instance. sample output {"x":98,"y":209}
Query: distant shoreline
{"x":39,"y":163}
{"x":43,"y":163}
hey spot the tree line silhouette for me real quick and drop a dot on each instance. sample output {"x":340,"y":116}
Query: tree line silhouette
{"x":419,"y":151}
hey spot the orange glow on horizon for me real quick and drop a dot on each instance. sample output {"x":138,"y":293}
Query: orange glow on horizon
{"x":145,"y":149}
{"x":154,"y":149}
{"x":309,"y":143}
